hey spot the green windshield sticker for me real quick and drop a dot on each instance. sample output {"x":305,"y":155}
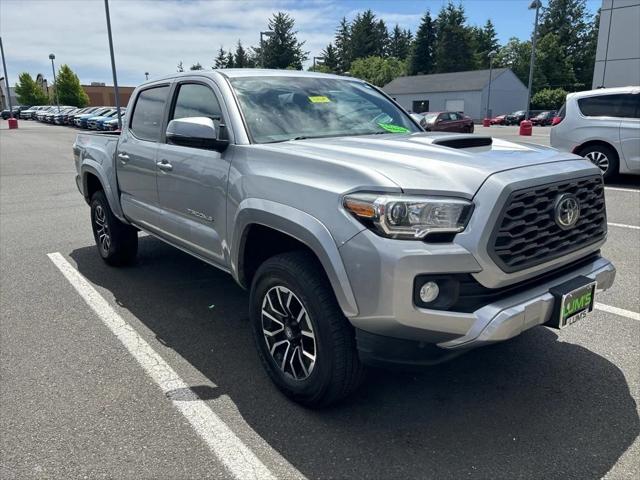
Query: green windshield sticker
{"x":319,"y":99}
{"x":390,"y":127}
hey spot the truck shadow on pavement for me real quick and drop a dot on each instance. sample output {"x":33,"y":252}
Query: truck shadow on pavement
{"x":534,"y":407}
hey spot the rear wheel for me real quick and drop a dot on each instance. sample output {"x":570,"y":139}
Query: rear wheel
{"x":117,"y":242}
{"x":602,"y":156}
{"x":304,"y":341}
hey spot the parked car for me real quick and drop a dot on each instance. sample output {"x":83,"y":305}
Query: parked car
{"x":499,"y":120}
{"x":603,"y":126}
{"x":82,"y":120}
{"x":110,"y":124}
{"x":58,"y":117}
{"x":362,"y":239}
{"x":92,"y":122}
{"x":447,"y":122}
{"x":40,"y":114}
{"x":100,"y":123}
{"x":543,"y":118}
{"x":14,"y":112}
{"x":30,"y":113}
{"x":515,"y":118}
{"x":82,"y":111}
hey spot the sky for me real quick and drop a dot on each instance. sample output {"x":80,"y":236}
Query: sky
{"x":154,"y":35}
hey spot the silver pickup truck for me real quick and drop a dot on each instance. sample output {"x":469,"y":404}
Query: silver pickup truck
{"x":362,"y":239}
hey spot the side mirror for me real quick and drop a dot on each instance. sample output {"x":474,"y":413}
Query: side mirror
{"x":196,"y":132}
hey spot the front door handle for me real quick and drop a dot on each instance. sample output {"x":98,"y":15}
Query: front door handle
{"x":124,"y":158}
{"x":164,"y":166}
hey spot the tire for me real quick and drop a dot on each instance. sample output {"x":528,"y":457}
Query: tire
{"x":470,"y":129}
{"x":295,"y":281}
{"x":117,"y":242}
{"x":602,"y":156}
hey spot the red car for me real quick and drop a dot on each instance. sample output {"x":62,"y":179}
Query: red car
{"x":499,"y":120}
{"x":447,"y":122}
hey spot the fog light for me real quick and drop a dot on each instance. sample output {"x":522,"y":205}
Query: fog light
{"x":429,"y":292}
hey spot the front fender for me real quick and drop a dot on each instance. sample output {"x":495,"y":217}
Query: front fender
{"x":304,"y":228}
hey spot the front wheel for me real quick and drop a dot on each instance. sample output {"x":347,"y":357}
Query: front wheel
{"x":117,"y":242}
{"x":602,"y":156}
{"x":304,"y":341}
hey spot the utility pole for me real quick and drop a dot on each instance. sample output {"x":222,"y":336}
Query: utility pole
{"x":52,"y":57}
{"x":267,"y":33}
{"x":113,"y":64}
{"x":491,"y":55}
{"x":6,"y":78}
{"x":534,"y":5}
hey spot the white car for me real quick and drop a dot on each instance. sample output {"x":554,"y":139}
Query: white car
{"x":603,"y":126}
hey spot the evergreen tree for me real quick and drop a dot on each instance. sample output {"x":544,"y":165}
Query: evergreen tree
{"x":343,"y":45}
{"x":180,"y":67}
{"x":221,"y":59}
{"x":453,"y":50}
{"x":241,"y":59}
{"x":485,"y":42}
{"x":28,"y":91}
{"x":381,"y":39}
{"x":68,"y":88}
{"x":196,"y":66}
{"x":567,"y":20}
{"x":400,"y":43}
{"x":365,"y":36}
{"x":330,"y":56}
{"x":229,"y":61}
{"x":283,"y":49}
{"x":554,"y":69}
{"x":585,"y":58}
{"x":421,"y":60}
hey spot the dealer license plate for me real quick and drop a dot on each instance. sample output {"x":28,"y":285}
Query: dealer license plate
{"x":574,"y":300}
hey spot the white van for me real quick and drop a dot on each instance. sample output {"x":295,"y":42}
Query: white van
{"x":602,"y":125}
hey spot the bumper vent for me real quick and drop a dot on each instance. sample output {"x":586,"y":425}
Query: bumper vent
{"x":527,"y":234}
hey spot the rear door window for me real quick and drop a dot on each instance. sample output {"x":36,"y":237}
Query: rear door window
{"x":146,"y":123}
{"x":618,"y":105}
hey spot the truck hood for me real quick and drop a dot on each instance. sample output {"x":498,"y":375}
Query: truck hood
{"x":417,"y":164}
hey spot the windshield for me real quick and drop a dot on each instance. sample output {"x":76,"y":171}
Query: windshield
{"x":430,"y":116}
{"x":278,"y":109}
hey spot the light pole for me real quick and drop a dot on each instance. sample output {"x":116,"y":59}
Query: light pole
{"x":267,"y":33}
{"x":52,"y":57}
{"x":6,"y":78}
{"x":113,"y":64}
{"x":146,"y":75}
{"x":534,"y":5}
{"x":491,"y":55}
{"x":314,"y":62}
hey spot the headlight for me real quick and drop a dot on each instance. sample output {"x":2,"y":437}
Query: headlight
{"x":408,"y":216}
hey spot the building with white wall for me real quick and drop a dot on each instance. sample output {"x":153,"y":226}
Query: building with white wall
{"x":460,"y":92}
{"x":618,"y":53}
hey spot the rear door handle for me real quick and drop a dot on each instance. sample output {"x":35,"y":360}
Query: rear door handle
{"x":124,"y":158}
{"x":164,"y":166}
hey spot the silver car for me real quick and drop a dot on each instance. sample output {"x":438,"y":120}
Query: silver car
{"x":361,"y":238}
{"x":603,"y":126}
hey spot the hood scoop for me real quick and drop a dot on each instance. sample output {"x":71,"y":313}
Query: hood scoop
{"x":463,"y":141}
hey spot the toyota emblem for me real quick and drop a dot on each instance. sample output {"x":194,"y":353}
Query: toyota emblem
{"x":567,"y":211}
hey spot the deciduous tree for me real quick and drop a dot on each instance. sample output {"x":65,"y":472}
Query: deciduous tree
{"x":68,"y":88}
{"x":28,"y":91}
{"x":377,"y":70}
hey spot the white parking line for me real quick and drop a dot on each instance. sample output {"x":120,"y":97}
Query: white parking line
{"x":618,"y":189}
{"x":239,"y":460}
{"x":618,"y":311}
{"x":623,"y":225}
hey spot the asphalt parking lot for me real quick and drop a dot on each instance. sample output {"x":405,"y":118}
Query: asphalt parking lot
{"x":77,"y":402}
